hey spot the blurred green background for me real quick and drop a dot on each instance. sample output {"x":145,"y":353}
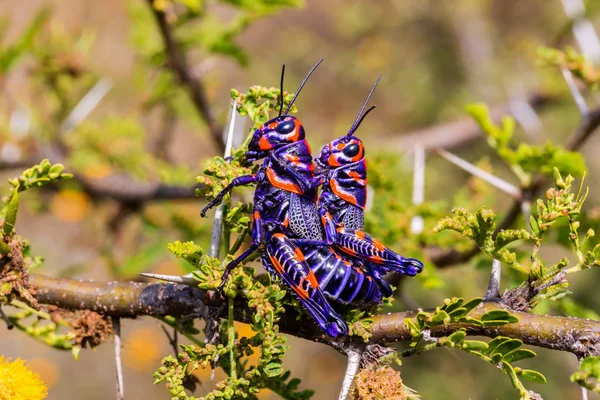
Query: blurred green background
{"x":435,"y":57}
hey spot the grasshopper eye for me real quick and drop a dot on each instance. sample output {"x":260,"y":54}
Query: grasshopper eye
{"x":285,"y":127}
{"x":351,"y":151}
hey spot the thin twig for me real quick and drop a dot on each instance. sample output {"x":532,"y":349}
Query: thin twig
{"x":416,"y":224}
{"x":584,"y":392}
{"x":9,"y":324}
{"x":87,"y":104}
{"x":575,"y":92}
{"x":231,"y":339}
{"x":215,"y":242}
{"x":116,"y":322}
{"x":493,"y":290}
{"x":493,"y":180}
{"x":172,"y":339}
{"x":351,"y":371}
{"x":178,"y":63}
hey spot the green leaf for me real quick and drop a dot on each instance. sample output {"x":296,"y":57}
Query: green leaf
{"x":507,"y":346}
{"x":11,"y":213}
{"x":531,"y":375}
{"x":510,"y":371}
{"x":518,"y":355}
{"x":457,"y":336}
{"x":494,"y":316}
{"x":495,"y":342}
{"x":273,"y":369}
{"x":439,"y":318}
{"x":534,"y":225}
{"x":470,"y":320}
{"x":471,"y":304}
{"x":475,"y":345}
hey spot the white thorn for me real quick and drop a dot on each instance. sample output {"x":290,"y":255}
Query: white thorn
{"x":577,"y":96}
{"x":498,"y":183}
{"x":418,"y":195}
{"x":185,"y":279}
{"x":87,"y":104}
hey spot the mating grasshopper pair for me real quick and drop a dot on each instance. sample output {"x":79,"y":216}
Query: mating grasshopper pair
{"x":314,"y":243}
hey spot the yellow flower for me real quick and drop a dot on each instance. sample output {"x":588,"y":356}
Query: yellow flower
{"x":18,"y":382}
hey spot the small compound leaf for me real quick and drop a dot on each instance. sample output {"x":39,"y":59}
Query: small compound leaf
{"x":533,"y":376}
{"x":508,"y":346}
{"x":495,"y":342}
{"x":475,"y":345}
{"x":457,"y":337}
{"x":11,"y":213}
{"x":518,"y":355}
{"x":510,"y":371}
{"x":471,"y":304}
{"x":440,"y":318}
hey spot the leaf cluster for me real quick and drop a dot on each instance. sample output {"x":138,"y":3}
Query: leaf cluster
{"x":574,"y":62}
{"x":525,"y":160}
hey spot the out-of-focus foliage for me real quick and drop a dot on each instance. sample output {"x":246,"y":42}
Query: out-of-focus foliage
{"x":135,"y":138}
{"x":525,"y":160}
{"x":588,"y":374}
{"x":574,"y":62}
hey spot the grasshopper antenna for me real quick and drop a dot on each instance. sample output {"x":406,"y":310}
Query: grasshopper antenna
{"x":281,"y":100}
{"x":361,"y":116}
{"x":302,"y":85}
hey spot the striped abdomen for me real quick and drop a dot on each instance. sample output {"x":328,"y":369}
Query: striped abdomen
{"x":339,"y":279}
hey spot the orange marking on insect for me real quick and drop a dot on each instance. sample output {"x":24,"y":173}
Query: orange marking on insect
{"x":340,"y":146}
{"x":272,"y":125}
{"x":276,"y":264}
{"x":359,"y":234}
{"x":256,"y":215}
{"x":312,"y":279}
{"x":281,"y":184}
{"x":333,"y":161}
{"x":349,"y":251}
{"x":347,"y":263}
{"x":299,"y":254}
{"x":264,"y":144}
{"x":301,"y":292}
{"x":376,"y":259}
{"x":378,"y":245}
{"x":354,"y":174}
{"x":339,"y":230}
{"x":335,"y":188}
{"x":292,"y":158}
{"x":286,"y":223}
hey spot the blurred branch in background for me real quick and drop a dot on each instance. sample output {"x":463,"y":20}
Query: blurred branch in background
{"x":458,"y":133}
{"x":178,"y":62}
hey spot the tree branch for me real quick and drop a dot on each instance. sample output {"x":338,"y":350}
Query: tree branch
{"x":178,"y":63}
{"x":132,"y":299}
{"x":456,"y":133}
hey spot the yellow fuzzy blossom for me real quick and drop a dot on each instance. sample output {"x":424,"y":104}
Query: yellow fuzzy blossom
{"x":18,"y":382}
